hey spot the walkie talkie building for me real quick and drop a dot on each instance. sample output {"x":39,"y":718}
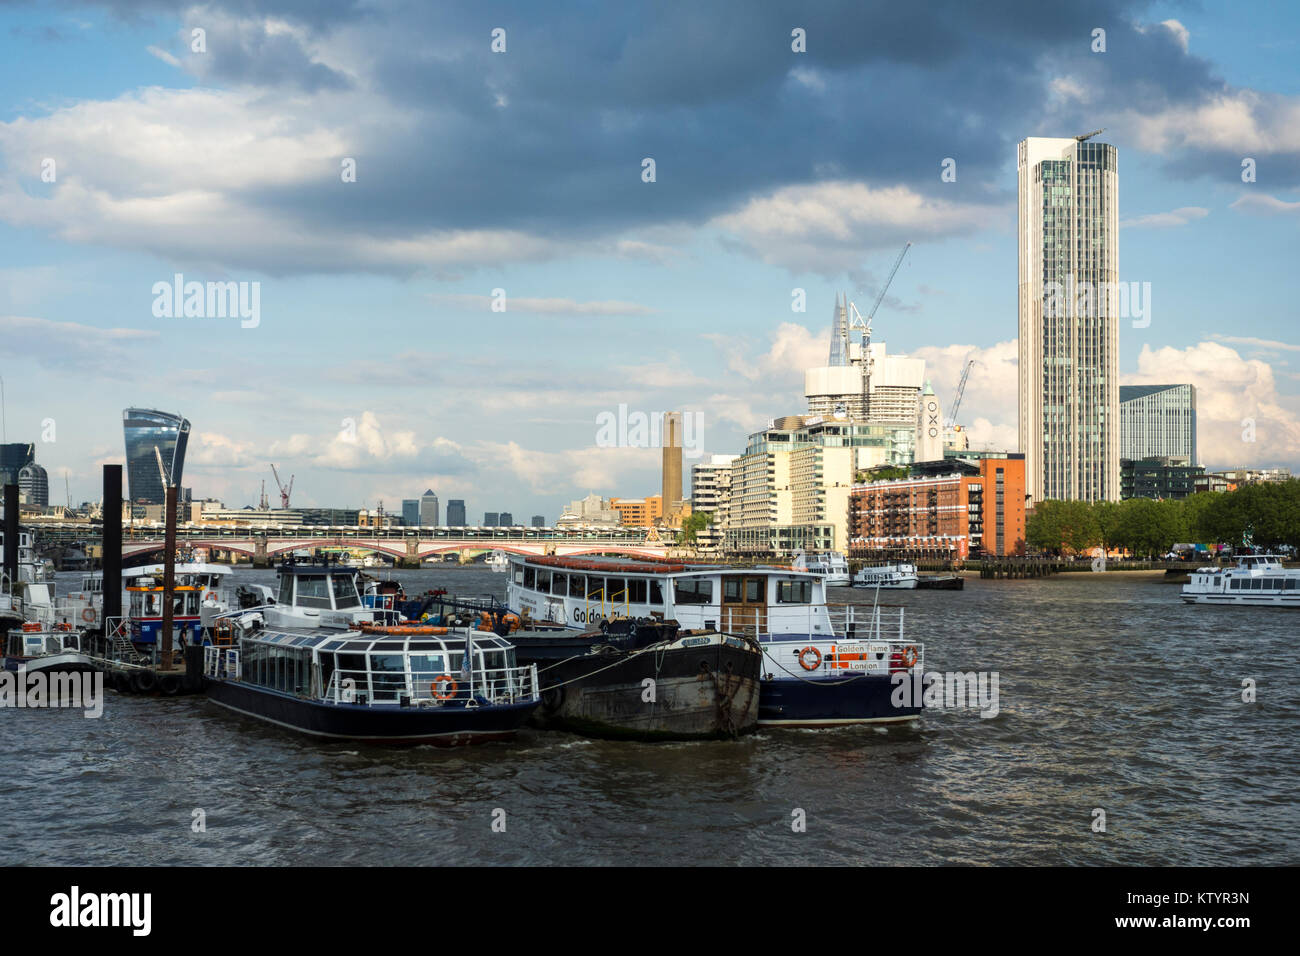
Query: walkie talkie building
{"x":147,"y":429}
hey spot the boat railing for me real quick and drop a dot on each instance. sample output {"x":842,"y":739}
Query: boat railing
{"x":824,"y":621}
{"x":492,"y":685}
{"x":221,"y":663}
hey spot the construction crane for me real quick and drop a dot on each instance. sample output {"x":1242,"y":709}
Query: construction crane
{"x":857,"y":321}
{"x":1087,"y":136}
{"x":262,"y":503}
{"x":162,"y":472}
{"x":961,"y":390}
{"x":284,"y":492}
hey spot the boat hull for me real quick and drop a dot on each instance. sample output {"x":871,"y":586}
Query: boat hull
{"x":69,"y":662}
{"x":888,"y":586}
{"x":831,"y":702}
{"x":441,"y":726}
{"x":1291,"y":600}
{"x":707,"y":691}
{"x":941,"y":582}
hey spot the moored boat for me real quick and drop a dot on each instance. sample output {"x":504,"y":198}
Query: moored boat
{"x":816,"y":670}
{"x":54,"y":649}
{"x":940,"y":582}
{"x":832,"y":564}
{"x":889,"y":576}
{"x":1256,"y":579}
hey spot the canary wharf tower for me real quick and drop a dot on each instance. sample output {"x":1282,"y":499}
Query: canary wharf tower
{"x":1069,"y":318}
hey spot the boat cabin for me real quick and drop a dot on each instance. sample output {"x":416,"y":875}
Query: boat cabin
{"x":583,"y":592}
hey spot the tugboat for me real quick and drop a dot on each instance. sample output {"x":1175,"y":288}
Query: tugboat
{"x":53,"y":648}
{"x":813,"y":671}
{"x":1258,"y":579}
{"x":320,"y":663}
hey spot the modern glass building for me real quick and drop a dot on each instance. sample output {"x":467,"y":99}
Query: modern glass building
{"x":491,"y":519}
{"x":1157,"y":421}
{"x":147,"y":429}
{"x":410,"y":512}
{"x":539,"y":521}
{"x":1158,"y":477}
{"x":13,"y":456}
{"x":34,"y":484}
{"x":429,"y":509}
{"x":456,"y":513}
{"x":1069,"y":318}
{"x":506,"y":519}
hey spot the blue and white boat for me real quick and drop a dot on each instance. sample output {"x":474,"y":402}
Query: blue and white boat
{"x":821,"y":666}
{"x":319,"y":662}
{"x":1257,"y":579}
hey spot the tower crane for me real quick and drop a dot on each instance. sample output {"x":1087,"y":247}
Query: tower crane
{"x":961,"y":390}
{"x":857,"y":321}
{"x":284,"y":491}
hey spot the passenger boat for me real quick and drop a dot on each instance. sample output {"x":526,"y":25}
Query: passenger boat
{"x":53,"y":649}
{"x":817,"y":668}
{"x":832,"y":564}
{"x":1258,"y":579}
{"x":377,"y":688}
{"x":213,"y":582}
{"x":318,"y":662}
{"x":497,"y":561}
{"x":886,"y":576}
{"x":22,"y":598}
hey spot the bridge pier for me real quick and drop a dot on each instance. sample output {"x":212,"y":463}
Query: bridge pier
{"x":412,"y":558}
{"x":260,"y":558}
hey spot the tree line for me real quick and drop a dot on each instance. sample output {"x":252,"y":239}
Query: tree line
{"x":1265,"y":515}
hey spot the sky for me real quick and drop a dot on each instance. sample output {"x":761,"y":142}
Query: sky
{"x":460,"y":266}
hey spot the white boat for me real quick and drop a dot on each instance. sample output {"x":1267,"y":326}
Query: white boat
{"x":832,"y":564}
{"x":498,"y":561}
{"x":1256,"y":579}
{"x":54,"y":649}
{"x":886,"y":576}
{"x":214,"y":584}
{"x":821,"y":666}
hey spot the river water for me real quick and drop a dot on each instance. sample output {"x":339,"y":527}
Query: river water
{"x":1113,"y":696}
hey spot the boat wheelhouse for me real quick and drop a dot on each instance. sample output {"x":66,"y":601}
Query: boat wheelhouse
{"x":56,"y":649}
{"x":1257,"y":579}
{"x":820,"y":666}
{"x":380,"y":685}
{"x":891,"y":576}
{"x":832,"y":564}
{"x":316,"y":593}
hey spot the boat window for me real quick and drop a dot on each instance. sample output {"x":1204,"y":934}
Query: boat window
{"x":425,"y":667}
{"x":345,"y":591}
{"x":518,"y":573}
{"x":616,"y":589}
{"x":313,"y":591}
{"x":1235,"y":585}
{"x":530,"y":578}
{"x":636,"y":590}
{"x":326,"y":671}
{"x":285,"y":593}
{"x":387,"y":676}
{"x":794,"y":592}
{"x":577,"y":585}
{"x":1256,"y":584}
{"x":559,"y":584}
{"x":754,"y":590}
{"x":1292,"y":584}
{"x":731,"y":590}
{"x":595,"y":587}
{"x":543,"y":580}
{"x":693,"y":591}
{"x":656,"y":593}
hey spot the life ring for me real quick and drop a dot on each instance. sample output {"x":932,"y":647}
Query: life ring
{"x":88,"y":615}
{"x":443,"y":687}
{"x":803,"y":662}
{"x":909,"y":656}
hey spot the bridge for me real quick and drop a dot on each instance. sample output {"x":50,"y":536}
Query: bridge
{"x":406,"y":545}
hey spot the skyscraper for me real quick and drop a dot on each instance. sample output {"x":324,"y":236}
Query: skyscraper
{"x":34,"y":484}
{"x":1068,"y":317}
{"x":539,"y":521}
{"x":672,"y":464}
{"x":13,"y":456}
{"x":491,"y":519}
{"x":506,"y":520}
{"x":146,"y":429}
{"x":411,"y":512}
{"x":1157,"y":421}
{"x":456,"y":513}
{"x":429,"y":509}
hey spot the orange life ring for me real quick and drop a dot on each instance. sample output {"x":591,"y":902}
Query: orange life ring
{"x":804,"y":663}
{"x":88,"y":614}
{"x":910,"y":656}
{"x":443,"y":687}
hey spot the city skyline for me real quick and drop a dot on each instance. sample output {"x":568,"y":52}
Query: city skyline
{"x":672,"y":294}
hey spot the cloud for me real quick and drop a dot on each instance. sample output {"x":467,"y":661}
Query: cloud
{"x":545,"y":306}
{"x":65,"y":346}
{"x":1266,"y":205}
{"x":1241,"y":417}
{"x":825,"y":228}
{"x":163,"y":55}
{"x":990,"y":407}
{"x":1177,"y":217}
{"x":1269,"y":344}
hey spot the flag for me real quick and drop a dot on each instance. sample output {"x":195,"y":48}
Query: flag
{"x":466,"y":665}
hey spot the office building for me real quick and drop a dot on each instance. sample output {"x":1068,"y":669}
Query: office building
{"x":946,"y":509}
{"x":456,"y":513}
{"x":149,"y":434}
{"x":1069,"y":309}
{"x":13,"y":456}
{"x":411,"y":511}
{"x":1157,"y":421}
{"x":34,"y":485}
{"x":1157,"y":477}
{"x":591,"y":511}
{"x":491,"y":519}
{"x":429,"y":510}
{"x":639,"y":512}
{"x":506,"y":519}
{"x":711,"y":493}
{"x":539,"y":521}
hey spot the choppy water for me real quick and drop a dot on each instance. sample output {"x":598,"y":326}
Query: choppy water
{"x":1114,"y":695}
